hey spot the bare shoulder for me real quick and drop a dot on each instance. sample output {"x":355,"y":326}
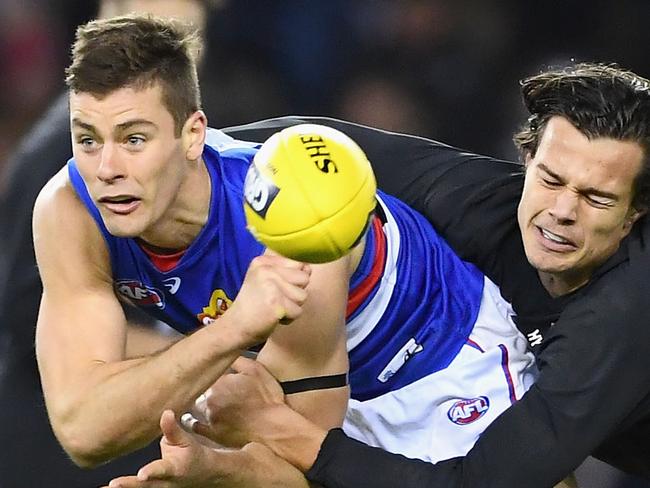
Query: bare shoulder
{"x":57,"y":195}
{"x":62,"y":227}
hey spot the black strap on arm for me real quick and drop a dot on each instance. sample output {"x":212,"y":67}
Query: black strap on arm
{"x":314,"y":383}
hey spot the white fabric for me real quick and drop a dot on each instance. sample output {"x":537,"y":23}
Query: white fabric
{"x":415,"y":420}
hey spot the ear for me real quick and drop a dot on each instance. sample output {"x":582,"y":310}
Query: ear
{"x":633,"y":214}
{"x":527,"y":159}
{"x":193,"y":135}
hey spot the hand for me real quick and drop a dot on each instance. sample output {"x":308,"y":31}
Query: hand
{"x":187,"y":463}
{"x":184,"y":461}
{"x":273,"y":291}
{"x":239,"y":404}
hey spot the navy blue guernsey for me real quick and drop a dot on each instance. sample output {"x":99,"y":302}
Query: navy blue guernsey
{"x":413,"y":302}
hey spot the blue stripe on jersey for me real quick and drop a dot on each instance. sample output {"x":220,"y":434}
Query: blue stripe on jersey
{"x":210,"y":273}
{"x":432,"y":310}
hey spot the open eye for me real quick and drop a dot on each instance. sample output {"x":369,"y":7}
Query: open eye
{"x":87,"y":143}
{"x":135,"y":140}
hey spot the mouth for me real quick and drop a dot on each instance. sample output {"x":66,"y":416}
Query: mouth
{"x":120,"y":204}
{"x":555,"y":242}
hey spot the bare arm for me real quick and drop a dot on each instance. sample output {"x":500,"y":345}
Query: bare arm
{"x":100,"y":404}
{"x":147,"y":336}
{"x":315,"y":344}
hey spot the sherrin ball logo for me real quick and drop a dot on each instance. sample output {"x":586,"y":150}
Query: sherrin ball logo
{"x":309,"y":193}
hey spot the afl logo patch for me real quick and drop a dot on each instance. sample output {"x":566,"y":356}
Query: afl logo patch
{"x":259,"y":192}
{"x":140,"y":294}
{"x":468,"y":410}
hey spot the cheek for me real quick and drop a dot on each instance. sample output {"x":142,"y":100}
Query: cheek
{"x":605,"y":233}
{"x":528,"y":203}
{"x":169,"y":180}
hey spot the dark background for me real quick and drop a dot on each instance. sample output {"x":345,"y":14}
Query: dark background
{"x":447,"y":69}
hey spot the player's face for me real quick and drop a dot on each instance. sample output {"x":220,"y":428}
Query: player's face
{"x":129,"y":156}
{"x":576,"y":205}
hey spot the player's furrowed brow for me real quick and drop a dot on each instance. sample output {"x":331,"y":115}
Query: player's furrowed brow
{"x":548,"y":171}
{"x":590,"y":190}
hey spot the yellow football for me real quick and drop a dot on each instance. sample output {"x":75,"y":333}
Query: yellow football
{"x":308,"y":193}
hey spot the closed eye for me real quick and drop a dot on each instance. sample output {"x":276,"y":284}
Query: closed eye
{"x":551,"y":183}
{"x":598,"y":201}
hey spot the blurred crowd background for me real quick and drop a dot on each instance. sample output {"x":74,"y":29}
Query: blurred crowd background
{"x":446,"y":69}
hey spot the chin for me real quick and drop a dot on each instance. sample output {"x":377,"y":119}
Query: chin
{"x":551,"y":266}
{"x":123,"y":229}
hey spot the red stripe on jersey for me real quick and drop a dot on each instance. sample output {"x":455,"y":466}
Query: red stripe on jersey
{"x":163,"y":262}
{"x":363,"y":289}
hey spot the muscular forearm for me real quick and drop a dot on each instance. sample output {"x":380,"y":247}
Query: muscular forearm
{"x":117,"y":405}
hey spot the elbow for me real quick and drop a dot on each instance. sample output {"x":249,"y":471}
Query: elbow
{"x":85,"y":460}
{"x":84,"y":447}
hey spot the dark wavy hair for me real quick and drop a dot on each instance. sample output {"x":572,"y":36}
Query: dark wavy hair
{"x":600,"y":101}
{"x":138,"y":51}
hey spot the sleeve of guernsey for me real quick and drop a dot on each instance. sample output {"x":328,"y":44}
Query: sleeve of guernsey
{"x":594,"y":374}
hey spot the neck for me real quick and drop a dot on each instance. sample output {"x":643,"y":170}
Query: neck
{"x":558,"y":285}
{"x":188,"y":213}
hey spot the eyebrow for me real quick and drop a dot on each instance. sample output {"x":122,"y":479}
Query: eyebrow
{"x":118,"y":128}
{"x":590,"y":190}
{"x":83,"y":125}
{"x":130,"y":123}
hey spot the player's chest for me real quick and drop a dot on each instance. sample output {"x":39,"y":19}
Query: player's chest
{"x":196,"y":292}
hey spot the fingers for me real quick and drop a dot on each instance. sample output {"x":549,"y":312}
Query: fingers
{"x":136,"y":482}
{"x":202,"y":429}
{"x":125,"y":482}
{"x":253,"y":368}
{"x":173,"y":434}
{"x":200,"y":410}
{"x":294,"y":272}
{"x":160,"y":469}
{"x":285,"y":282}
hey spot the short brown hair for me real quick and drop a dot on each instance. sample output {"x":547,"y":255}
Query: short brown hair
{"x":600,"y":101}
{"x":138,"y":51}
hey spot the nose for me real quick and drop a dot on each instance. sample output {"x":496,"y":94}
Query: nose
{"x":564,"y":207}
{"x":110,"y":168}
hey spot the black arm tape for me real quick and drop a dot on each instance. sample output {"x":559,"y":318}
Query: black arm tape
{"x":314,"y":383}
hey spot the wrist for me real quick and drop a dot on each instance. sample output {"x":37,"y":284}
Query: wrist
{"x":292,"y":437}
{"x":227,"y":331}
{"x":236,"y":327}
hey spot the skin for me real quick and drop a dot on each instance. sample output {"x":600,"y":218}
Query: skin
{"x":153,"y":186}
{"x":576,"y":206}
{"x":186,"y":462}
{"x":123,"y":151}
